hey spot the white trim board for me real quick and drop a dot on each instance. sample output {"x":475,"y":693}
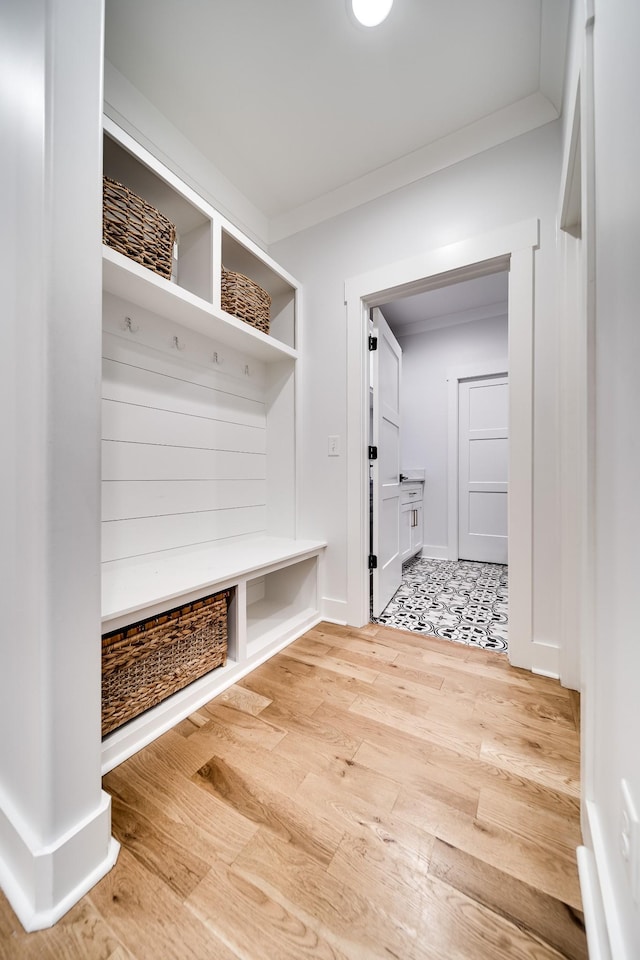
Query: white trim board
{"x":487,"y":368}
{"x":595,"y":923}
{"x":598,"y":888}
{"x":335,"y":611}
{"x":547,"y":661}
{"x":511,"y":121}
{"x":43,"y":881}
{"x":431,"y":551}
{"x":509,"y":247}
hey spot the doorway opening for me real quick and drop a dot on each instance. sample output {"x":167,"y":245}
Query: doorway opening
{"x":511,"y":248}
{"x":439,"y":437}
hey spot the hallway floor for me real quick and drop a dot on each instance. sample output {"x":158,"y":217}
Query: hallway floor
{"x":460,"y":600}
{"x":363,"y":794}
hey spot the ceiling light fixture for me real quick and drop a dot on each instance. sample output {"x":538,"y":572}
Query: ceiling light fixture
{"x":371,"y":12}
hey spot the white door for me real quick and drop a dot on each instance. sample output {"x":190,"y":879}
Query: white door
{"x":386,"y":380}
{"x":483,"y":438}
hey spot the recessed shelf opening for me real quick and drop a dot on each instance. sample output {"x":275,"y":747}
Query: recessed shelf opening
{"x":194,"y":268}
{"x":237,"y":257}
{"x":278,"y":601}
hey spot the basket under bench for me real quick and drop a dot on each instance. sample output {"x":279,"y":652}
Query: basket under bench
{"x":147,"y":661}
{"x":271,"y":596}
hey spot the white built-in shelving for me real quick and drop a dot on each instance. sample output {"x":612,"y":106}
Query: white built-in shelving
{"x":199,"y":442}
{"x":274,"y":598}
{"x":206,"y":241}
{"x":136,"y":284}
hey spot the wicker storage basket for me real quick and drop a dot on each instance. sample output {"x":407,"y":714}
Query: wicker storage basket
{"x":133,"y":227}
{"x":243,"y":298}
{"x":144,"y":663}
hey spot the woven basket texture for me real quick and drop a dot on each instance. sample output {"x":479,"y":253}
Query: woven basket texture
{"x":133,"y":227}
{"x":146,"y":662}
{"x":245,"y":299}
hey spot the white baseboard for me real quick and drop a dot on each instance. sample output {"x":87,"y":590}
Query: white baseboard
{"x":335,"y":611}
{"x":545,"y":660}
{"x":43,"y":882}
{"x":599,"y":896}
{"x":594,"y":918}
{"x":432,"y":552}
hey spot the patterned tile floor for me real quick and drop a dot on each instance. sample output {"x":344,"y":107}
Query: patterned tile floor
{"x":459,"y":600}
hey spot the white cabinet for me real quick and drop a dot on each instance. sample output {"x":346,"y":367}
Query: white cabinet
{"x":406,"y":514}
{"x":199,"y":442}
{"x":411,"y":535}
{"x":416,"y":530}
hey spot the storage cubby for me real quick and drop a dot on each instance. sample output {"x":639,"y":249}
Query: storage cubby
{"x":279,"y":601}
{"x":193,"y":226}
{"x":243,"y":258}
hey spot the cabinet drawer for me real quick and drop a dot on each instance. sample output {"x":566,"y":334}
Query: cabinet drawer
{"x":410,"y":492}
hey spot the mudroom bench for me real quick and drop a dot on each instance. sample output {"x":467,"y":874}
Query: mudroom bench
{"x":271,"y":587}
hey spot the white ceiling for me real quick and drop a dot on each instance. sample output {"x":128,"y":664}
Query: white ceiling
{"x":308,"y":114}
{"x":464,"y":302}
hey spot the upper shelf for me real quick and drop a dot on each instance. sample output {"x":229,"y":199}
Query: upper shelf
{"x":238,"y":254}
{"x":130,"y":281}
{"x":205,"y":242}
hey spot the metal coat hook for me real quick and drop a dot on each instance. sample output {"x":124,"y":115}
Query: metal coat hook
{"x":130,"y":325}
{"x":247,"y":372}
{"x":178,"y":344}
{"x":217,"y":359}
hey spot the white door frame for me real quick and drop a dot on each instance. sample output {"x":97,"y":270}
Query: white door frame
{"x":483,"y":368}
{"x":511,"y":247}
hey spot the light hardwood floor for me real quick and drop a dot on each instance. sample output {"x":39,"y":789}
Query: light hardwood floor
{"x":365,"y":793}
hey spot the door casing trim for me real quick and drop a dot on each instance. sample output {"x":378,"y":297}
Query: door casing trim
{"x":511,"y":248}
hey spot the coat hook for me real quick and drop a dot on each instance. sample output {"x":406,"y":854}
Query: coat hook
{"x":178,"y":344}
{"x":128,"y":324}
{"x":246,"y":370}
{"x":216,"y":358}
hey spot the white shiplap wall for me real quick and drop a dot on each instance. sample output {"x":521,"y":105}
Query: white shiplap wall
{"x":184,"y":437}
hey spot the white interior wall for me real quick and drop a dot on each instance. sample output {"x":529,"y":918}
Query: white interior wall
{"x":513,"y":182}
{"x":426,"y":359}
{"x":611,"y":706}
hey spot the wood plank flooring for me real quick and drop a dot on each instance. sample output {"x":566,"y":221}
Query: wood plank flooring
{"x":364,"y":794}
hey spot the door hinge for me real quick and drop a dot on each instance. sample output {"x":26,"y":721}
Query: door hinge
{"x":373,"y":453}
{"x":373,"y":342}
{"x":373,"y":562}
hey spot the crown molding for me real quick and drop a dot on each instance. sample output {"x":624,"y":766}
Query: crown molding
{"x":506,"y":124}
{"x":489,"y":311}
